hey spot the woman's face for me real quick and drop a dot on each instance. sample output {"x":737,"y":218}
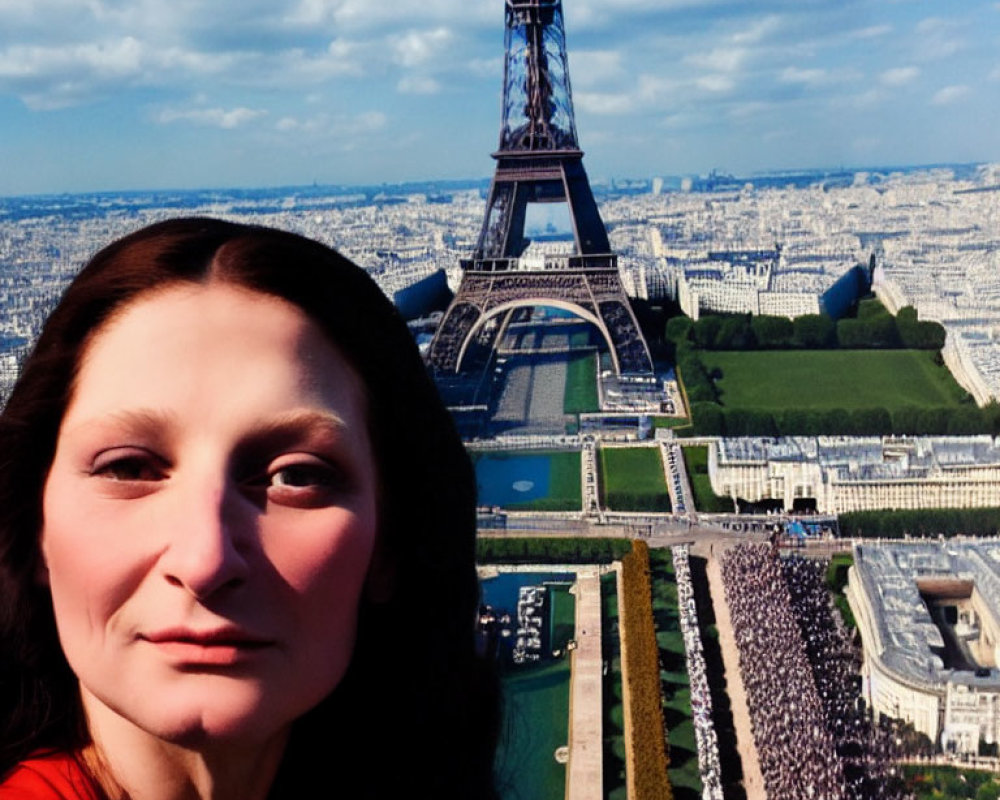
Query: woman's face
{"x":209,"y":517}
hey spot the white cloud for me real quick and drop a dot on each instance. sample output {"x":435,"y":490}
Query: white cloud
{"x":759,"y":30}
{"x":898,"y":76}
{"x":950,"y":94}
{"x":604,"y":102}
{"x":933,"y":25}
{"x":871,"y":32}
{"x":329,"y":127}
{"x":418,"y":84}
{"x":210,"y":117}
{"x":369,"y":14}
{"x":653,"y":89}
{"x":720,"y":59}
{"x":808,"y":77}
{"x":489,"y":67}
{"x":715,"y":83}
{"x":937,"y":39}
{"x":596,"y":67}
{"x":752,"y":108}
{"x":418,"y":47}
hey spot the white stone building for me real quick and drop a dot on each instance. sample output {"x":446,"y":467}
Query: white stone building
{"x":902,"y":594}
{"x":859,"y":473}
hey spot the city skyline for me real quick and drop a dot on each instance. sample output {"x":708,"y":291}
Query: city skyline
{"x":96,"y":96}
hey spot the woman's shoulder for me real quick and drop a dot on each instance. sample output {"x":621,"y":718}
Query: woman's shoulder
{"x":58,"y":776}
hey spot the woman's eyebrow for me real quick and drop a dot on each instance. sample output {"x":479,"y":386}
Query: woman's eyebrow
{"x":133,"y":421}
{"x":299,"y":421}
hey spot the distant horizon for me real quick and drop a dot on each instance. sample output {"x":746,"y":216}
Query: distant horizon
{"x":470,"y":182}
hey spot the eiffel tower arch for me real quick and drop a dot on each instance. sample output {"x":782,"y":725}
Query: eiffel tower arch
{"x":539,"y":161}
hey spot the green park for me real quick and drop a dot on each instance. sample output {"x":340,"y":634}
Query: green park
{"x":632,"y":479}
{"x":776,"y":380}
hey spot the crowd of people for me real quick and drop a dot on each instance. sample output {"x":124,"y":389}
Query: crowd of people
{"x":812,"y":736}
{"x":867,"y":751}
{"x":797,"y":752}
{"x":532,"y":394}
{"x":701,"y":698}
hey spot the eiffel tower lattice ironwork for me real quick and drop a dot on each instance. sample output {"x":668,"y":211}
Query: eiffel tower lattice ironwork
{"x":539,"y":161}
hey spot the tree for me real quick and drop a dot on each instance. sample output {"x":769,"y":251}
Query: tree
{"x":852,"y":334}
{"x":871,"y":421}
{"x":705,"y":331}
{"x":708,"y":419}
{"x":678,"y":329}
{"x":933,"y":421}
{"x":734,"y":334}
{"x":906,"y":420}
{"x":882,"y":332}
{"x":966,"y":420}
{"x":837,"y":421}
{"x":772,"y":332}
{"x":813,"y":331}
{"x":793,"y":422}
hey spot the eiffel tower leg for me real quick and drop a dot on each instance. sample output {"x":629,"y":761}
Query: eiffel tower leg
{"x":625,"y":337}
{"x":452,"y":334}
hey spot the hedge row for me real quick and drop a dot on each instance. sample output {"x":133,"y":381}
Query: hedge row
{"x":625,"y":500}
{"x":711,"y":419}
{"x":642,"y":671}
{"x":544,"y":550}
{"x":874,"y":327}
{"x":920,"y":522}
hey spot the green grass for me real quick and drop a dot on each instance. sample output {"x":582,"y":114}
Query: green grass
{"x":705,"y":498}
{"x":562,"y":619}
{"x":826,"y":379}
{"x":564,"y":484}
{"x":581,"y":385}
{"x":836,"y":580}
{"x":670,"y":422}
{"x":632,"y":479}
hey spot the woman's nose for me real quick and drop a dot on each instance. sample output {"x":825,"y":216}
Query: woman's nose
{"x":207,"y":549}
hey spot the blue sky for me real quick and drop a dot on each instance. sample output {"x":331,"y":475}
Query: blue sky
{"x":145,"y":94}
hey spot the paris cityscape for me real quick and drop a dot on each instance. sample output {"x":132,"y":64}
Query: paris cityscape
{"x":735,"y":437}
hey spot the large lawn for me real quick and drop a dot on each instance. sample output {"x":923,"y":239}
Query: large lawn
{"x":632,"y":479}
{"x":826,"y":379}
{"x":581,"y":384}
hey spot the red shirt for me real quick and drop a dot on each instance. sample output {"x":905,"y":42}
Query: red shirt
{"x":54,"y":777}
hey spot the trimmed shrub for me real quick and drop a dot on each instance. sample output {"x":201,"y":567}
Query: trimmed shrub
{"x":649,"y":761}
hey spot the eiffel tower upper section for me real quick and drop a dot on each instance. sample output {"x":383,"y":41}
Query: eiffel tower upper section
{"x":539,"y":159}
{"x":537,"y":102}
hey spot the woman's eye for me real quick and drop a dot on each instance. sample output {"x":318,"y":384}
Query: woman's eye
{"x":304,"y":476}
{"x":308,"y":484}
{"x":132,"y":467}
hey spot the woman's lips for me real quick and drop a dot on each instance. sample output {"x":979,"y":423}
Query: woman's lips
{"x":216,"y":647}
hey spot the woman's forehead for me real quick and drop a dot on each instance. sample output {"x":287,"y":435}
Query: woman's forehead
{"x":189,"y":343}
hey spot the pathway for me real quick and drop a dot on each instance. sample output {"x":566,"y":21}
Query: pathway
{"x":585,"y":773}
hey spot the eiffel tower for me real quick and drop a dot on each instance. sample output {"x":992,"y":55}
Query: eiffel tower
{"x":539,"y":161}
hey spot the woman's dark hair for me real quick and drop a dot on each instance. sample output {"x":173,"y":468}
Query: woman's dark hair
{"x":417,"y":710}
